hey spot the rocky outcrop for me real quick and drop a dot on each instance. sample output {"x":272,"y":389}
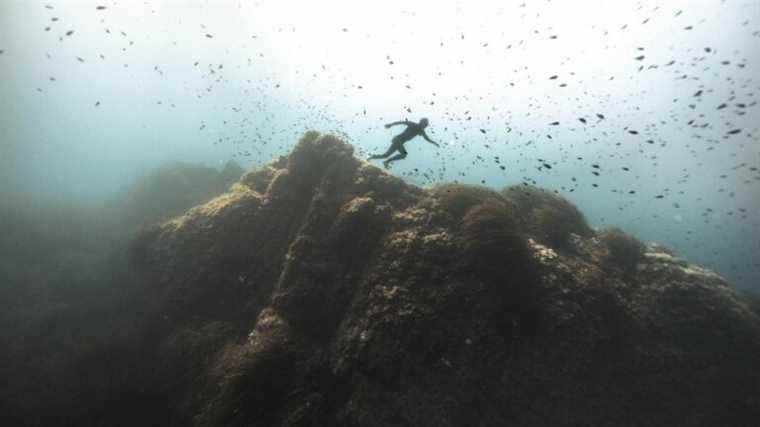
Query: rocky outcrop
{"x":323,"y":291}
{"x":170,"y":190}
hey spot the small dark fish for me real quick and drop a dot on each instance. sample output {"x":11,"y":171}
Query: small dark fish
{"x":582,"y":120}
{"x":595,"y":166}
{"x":97,"y":103}
{"x":101,"y":8}
{"x":721,"y":106}
{"x":734,"y":131}
{"x":70,"y":32}
{"x":553,"y":123}
{"x":547,"y":166}
{"x":633,"y":132}
{"x":600,"y":116}
{"x":47,"y":6}
{"x":209,"y":36}
{"x":659,"y":196}
{"x":47,"y":28}
{"x":698,"y":93}
{"x":639,"y":58}
{"x":595,"y":173}
{"x":482,"y":131}
{"x":554,"y":77}
{"x":625,"y":168}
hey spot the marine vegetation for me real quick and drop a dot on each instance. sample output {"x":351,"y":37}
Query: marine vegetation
{"x":170,"y":189}
{"x":549,"y":217}
{"x":625,"y":251}
{"x":321,"y":290}
{"x":456,"y":199}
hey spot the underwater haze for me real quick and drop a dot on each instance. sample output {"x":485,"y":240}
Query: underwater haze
{"x":642,"y":113}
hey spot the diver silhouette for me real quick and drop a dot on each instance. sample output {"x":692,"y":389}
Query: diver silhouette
{"x":397,"y":143}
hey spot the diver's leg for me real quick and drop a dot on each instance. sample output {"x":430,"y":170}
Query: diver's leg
{"x":401,"y":155}
{"x":394,"y":146}
{"x":384,"y":155}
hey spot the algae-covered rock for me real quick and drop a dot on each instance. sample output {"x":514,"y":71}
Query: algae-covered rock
{"x":549,"y":217}
{"x":384,"y":304}
{"x":457,"y":199}
{"x":322,"y":290}
{"x":172,"y":189}
{"x":624,"y":250}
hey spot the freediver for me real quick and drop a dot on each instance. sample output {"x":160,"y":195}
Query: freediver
{"x":397,"y":143}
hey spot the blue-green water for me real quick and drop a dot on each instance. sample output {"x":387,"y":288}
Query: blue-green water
{"x":657,"y":98}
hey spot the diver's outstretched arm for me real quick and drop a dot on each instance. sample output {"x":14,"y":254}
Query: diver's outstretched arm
{"x":427,"y":138}
{"x":400,"y":122}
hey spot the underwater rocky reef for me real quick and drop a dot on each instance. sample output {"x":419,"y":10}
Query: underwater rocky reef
{"x":321,"y":290}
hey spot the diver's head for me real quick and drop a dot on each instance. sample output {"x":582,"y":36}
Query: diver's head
{"x":423,"y":122}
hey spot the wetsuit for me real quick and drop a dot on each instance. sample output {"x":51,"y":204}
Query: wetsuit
{"x":397,"y":143}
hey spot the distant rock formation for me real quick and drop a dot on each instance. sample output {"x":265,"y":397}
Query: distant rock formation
{"x":323,"y":291}
{"x":173,"y":188}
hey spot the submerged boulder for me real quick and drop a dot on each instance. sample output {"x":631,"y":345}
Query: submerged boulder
{"x":171,"y":189}
{"x":549,"y":217}
{"x":323,"y":291}
{"x":352,"y":298}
